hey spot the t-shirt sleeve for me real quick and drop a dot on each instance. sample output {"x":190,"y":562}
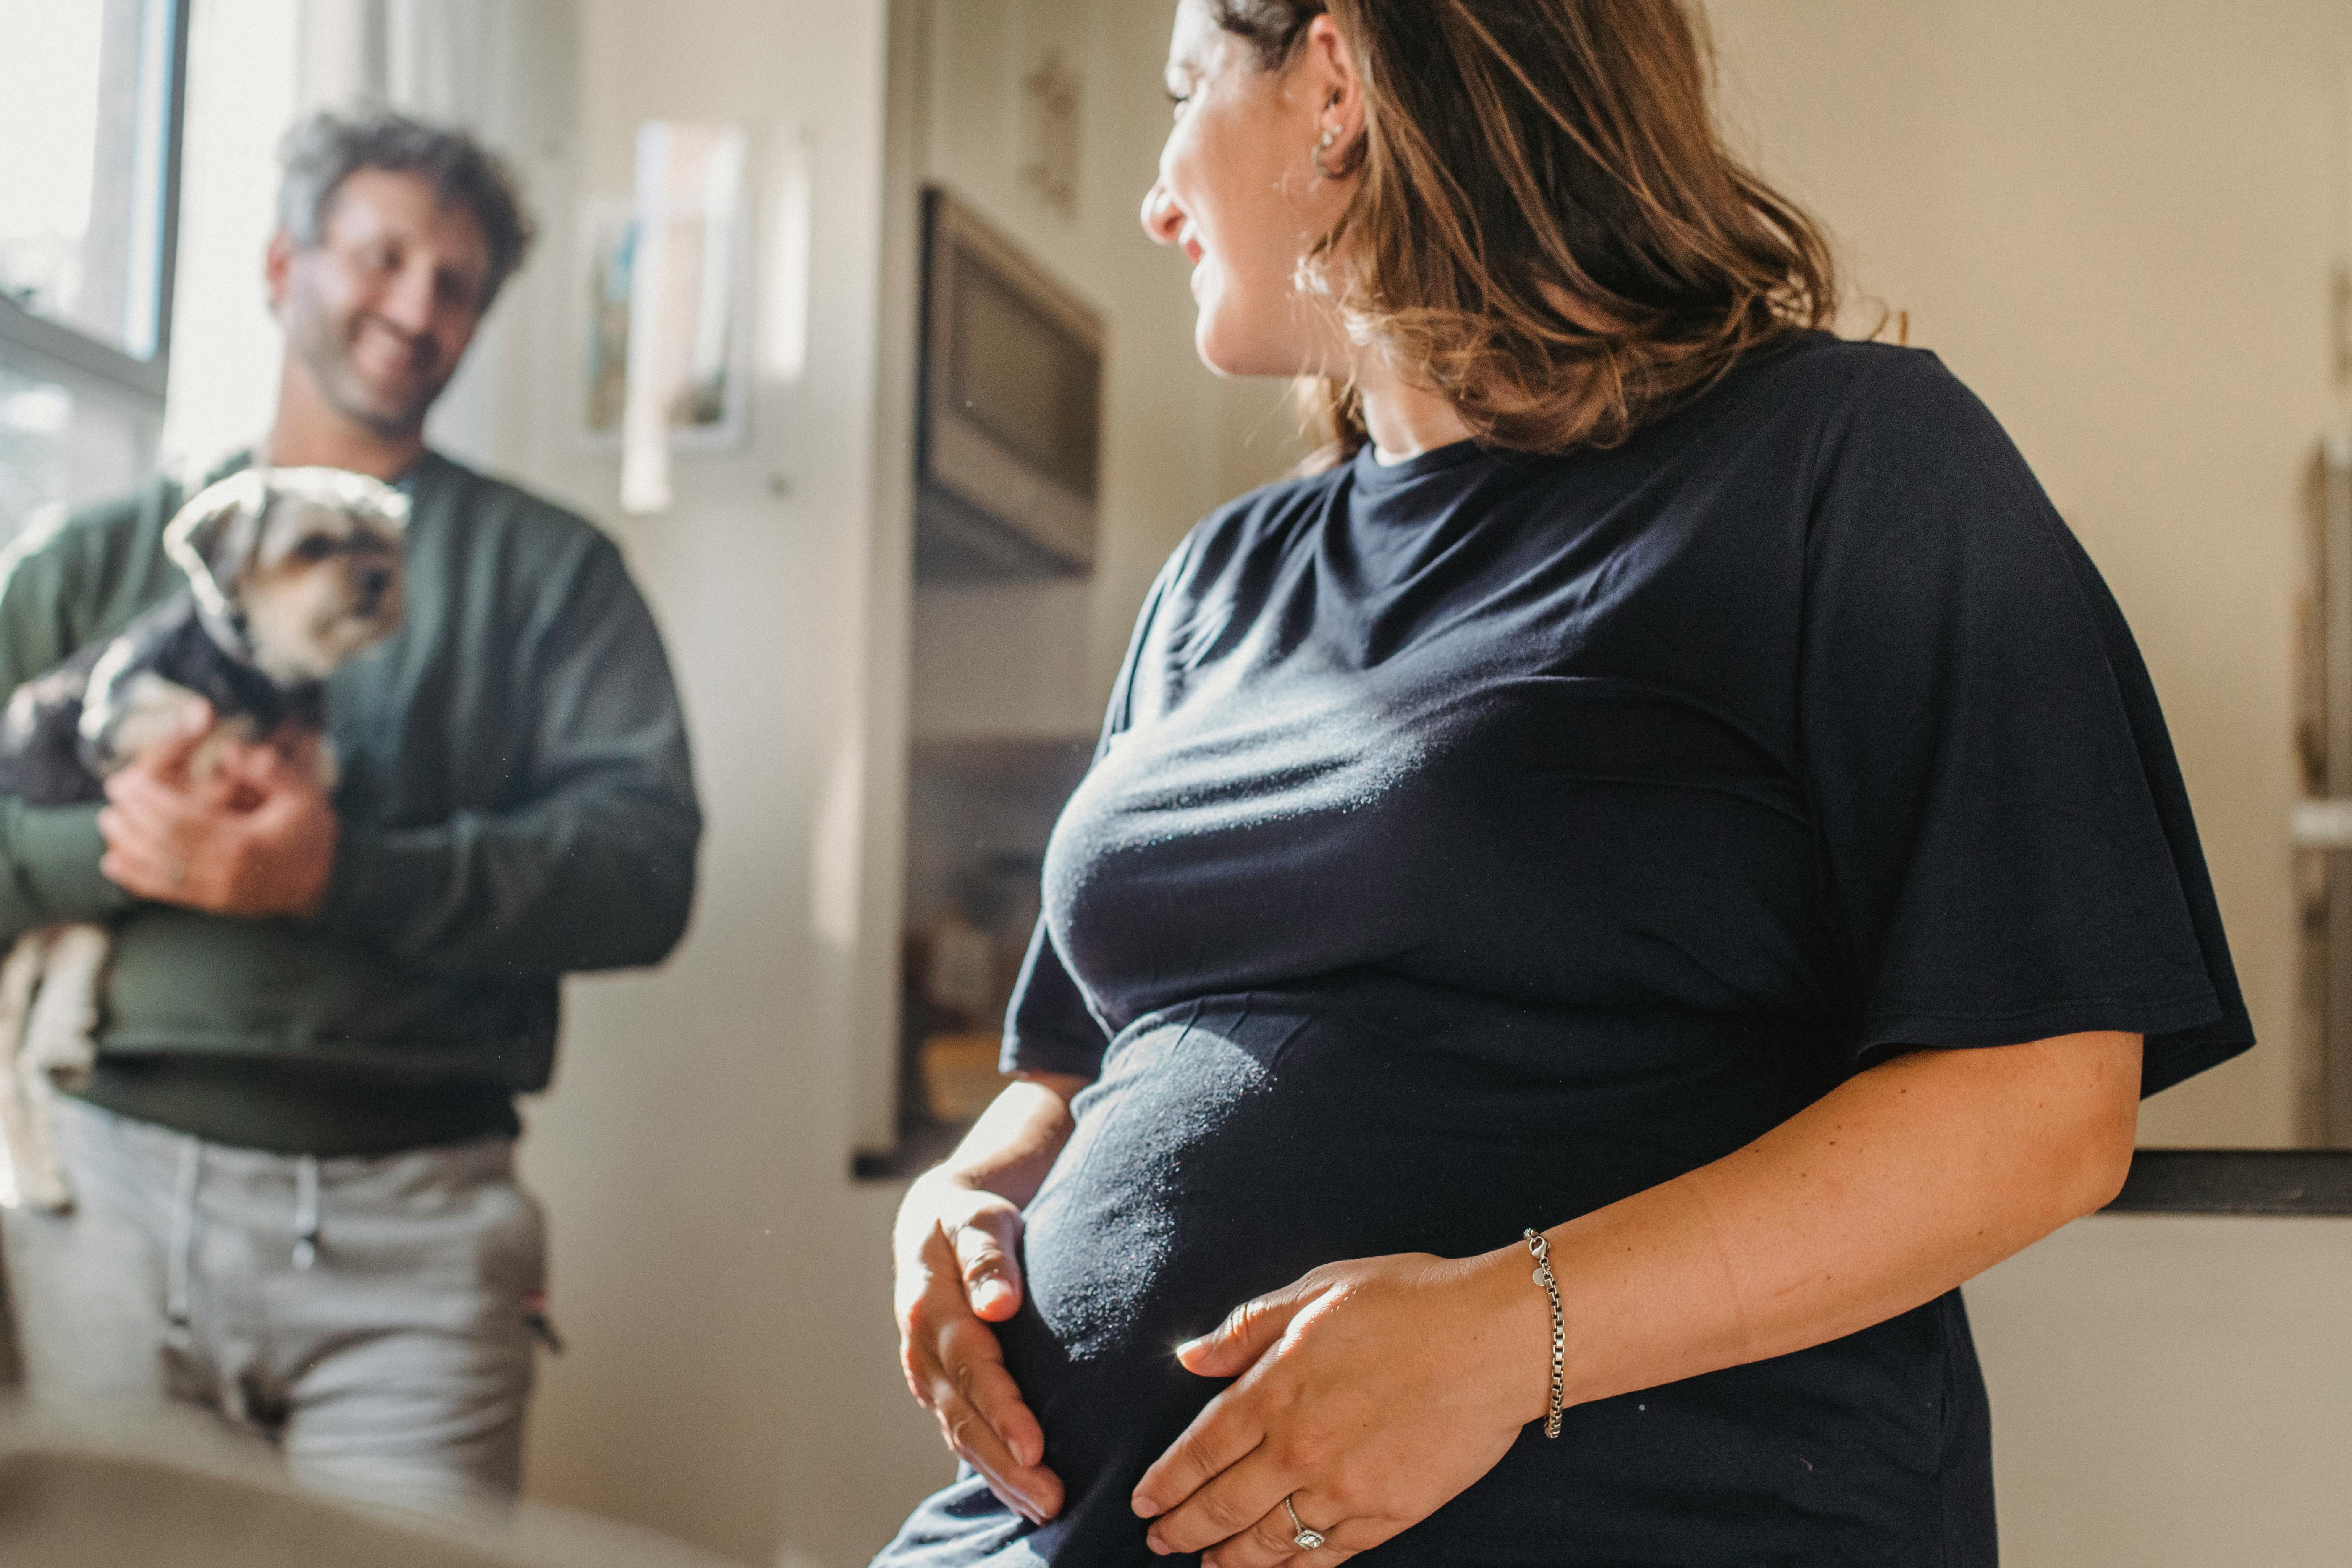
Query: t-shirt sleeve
{"x":2006,"y":837}
{"x":1048,"y":1027}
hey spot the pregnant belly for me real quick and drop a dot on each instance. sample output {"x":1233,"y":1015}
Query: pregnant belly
{"x":1232,"y":1146}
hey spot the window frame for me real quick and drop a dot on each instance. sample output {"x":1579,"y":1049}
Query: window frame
{"x":37,"y":345}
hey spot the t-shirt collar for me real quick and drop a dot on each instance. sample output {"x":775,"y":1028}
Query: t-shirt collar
{"x":1373,"y":476}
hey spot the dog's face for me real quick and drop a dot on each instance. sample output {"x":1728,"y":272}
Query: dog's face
{"x":321,"y":584}
{"x":308,"y":563}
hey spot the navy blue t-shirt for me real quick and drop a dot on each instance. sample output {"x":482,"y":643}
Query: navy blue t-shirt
{"x":1479,"y":840}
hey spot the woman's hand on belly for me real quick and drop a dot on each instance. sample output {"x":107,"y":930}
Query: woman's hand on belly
{"x":957,"y":1273}
{"x":958,"y":1244}
{"x":1324,"y":1368}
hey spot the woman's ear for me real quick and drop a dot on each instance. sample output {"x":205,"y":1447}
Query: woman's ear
{"x":1328,"y":74}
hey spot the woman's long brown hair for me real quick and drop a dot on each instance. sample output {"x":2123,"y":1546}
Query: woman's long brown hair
{"x":1549,"y":230}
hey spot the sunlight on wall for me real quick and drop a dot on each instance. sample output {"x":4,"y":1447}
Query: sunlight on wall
{"x":225,"y":346}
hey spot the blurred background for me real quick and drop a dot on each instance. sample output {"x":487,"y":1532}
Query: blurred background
{"x":949,"y":423}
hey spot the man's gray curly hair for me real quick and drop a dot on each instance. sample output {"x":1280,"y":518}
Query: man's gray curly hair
{"x":327,"y":148}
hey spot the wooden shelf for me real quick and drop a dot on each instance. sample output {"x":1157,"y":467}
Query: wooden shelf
{"x":2311,"y":1182}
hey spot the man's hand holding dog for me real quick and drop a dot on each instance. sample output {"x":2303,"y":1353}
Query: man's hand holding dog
{"x":255,"y":839}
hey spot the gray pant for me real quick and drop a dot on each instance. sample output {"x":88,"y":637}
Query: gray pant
{"x":373,"y":1317}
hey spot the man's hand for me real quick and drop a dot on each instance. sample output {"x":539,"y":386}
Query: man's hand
{"x":257,"y":840}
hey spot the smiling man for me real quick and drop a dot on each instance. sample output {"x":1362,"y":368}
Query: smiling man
{"x":296,"y":1201}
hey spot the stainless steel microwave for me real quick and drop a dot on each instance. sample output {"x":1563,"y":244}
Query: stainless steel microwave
{"x":1008,"y":443}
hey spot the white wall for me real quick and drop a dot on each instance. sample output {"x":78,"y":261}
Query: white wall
{"x":2172,"y":1392}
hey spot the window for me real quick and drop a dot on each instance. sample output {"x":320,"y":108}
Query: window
{"x":90,"y":138}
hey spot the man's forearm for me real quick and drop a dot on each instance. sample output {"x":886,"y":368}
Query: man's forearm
{"x":584,"y":881}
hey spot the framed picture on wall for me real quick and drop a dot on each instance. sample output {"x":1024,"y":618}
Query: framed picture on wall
{"x":712,"y":412}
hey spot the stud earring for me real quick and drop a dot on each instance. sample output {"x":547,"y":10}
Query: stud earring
{"x":1323,"y":144}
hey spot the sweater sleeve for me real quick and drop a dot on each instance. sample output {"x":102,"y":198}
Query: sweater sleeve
{"x":50,"y":854}
{"x":592,"y":865}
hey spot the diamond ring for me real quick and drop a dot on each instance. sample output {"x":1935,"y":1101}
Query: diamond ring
{"x":1305,"y":1539}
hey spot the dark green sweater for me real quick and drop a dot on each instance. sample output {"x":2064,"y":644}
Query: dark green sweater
{"x":516,"y":802}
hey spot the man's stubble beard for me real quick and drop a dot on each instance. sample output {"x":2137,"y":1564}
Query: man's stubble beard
{"x":322,"y":344}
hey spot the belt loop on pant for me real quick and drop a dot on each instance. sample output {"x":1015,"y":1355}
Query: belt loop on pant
{"x":181,"y":1261}
{"x":306,"y":1211}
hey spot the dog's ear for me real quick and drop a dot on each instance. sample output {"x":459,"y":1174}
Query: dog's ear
{"x":370,"y":500}
{"x":214,"y":537}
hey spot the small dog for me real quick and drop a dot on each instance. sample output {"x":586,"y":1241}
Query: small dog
{"x":290,"y":571}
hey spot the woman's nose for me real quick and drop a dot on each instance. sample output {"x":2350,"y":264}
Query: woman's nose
{"x":1163,"y":220}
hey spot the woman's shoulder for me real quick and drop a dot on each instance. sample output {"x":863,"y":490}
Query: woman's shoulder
{"x":1824,"y":376}
{"x":1912,"y":483}
{"x":1856,"y":414}
{"x":1863,"y":389}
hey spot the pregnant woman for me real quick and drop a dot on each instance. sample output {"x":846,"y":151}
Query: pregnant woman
{"x":1593,"y":914}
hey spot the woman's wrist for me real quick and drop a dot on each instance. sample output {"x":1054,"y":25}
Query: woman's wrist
{"x":950,"y":1177}
{"x":1009,"y":1148}
{"x":957,"y":1187}
{"x":939,"y":1195}
{"x":1515,"y":1333}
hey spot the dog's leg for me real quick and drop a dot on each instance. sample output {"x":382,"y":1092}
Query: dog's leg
{"x":19,"y":974}
{"x":61,"y":1035}
{"x":33,"y":1178}
{"x":41,"y":1182}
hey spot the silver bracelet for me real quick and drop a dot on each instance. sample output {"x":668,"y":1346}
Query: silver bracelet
{"x":1541,"y":1246}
